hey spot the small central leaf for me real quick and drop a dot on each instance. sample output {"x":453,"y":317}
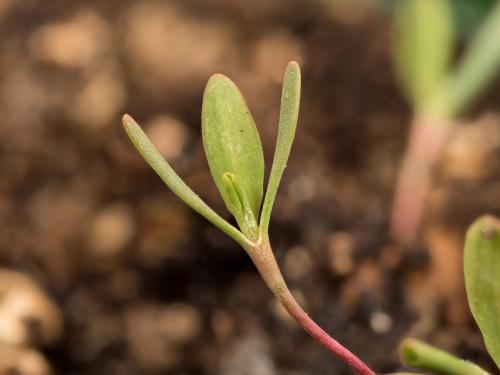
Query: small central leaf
{"x":236,"y":196}
{"x":239,"y":206}
{"x":232,"y":143}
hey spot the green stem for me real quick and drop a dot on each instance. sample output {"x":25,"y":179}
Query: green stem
{"x":422,"y":356}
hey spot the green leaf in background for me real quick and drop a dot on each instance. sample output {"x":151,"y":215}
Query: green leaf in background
{"x":232,"y":145}
{"x":289,"y":113}
{"x":423,"y":45}
{"x":478,"y":66}
{"x":482,"y":280}
{"x":469,"y":15}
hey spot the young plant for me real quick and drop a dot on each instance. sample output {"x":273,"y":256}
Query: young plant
{"x":234,"y":153}
{"x":482,"y":282}
{"x":424,"y":43}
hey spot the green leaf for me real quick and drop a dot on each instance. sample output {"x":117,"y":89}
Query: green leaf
{"x":470,"y":14}
{"x":239,"y":206}
{"x":482,"y":280}
{"x":289,"y":112}
{"x":232,"y":142}
{"x":417,"y":354}
{"x":423,"y":44}
{"x":153,"y":157}
{"x":478,"y":67}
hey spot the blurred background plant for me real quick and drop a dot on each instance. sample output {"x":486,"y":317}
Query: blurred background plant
{"x":127,"y":280}
{"x":424,"y":45}
{"x":482,"y":281}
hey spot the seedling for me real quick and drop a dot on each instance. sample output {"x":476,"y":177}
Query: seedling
{"x":424,"y":43}
{"x":234,"y":153}
{"x":235,"y":158}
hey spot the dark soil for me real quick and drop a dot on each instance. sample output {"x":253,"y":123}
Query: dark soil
{"x":148,"y":287}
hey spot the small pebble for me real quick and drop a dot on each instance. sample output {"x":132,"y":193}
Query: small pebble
{"x":168,"y":134}
{"x":19,"y":360}
{"x":110,"y":231}
{"x":27,"y":314}
{"x":380,"y":322}
{"x":298,"y":263}
{"x":340,"y":253}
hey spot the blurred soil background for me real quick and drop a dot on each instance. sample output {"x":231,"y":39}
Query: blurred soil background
{"x":104,"y":271}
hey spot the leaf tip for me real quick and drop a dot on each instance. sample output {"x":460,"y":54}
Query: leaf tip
{"x":228,"y":177}
{"x":407,"y":352}
{"x":217,"y":79}
{"x":127,"y":120}
{"x":293,"y":67}
{"x":219,"y":86}
{"x":487,"y":225}
{"x":488,"y":219}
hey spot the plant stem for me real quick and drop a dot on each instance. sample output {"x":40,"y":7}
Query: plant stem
{"x":263,"y":258}
{"x":426,"y":139}
{"x":422,"y":356}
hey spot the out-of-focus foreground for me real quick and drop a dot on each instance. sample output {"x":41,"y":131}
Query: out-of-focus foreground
{"x":104,"y":271}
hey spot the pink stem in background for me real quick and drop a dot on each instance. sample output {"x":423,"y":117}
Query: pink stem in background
{"x":426,"y":140}
{"x":265,"y":262}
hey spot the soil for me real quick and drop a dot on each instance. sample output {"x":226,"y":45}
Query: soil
{"x":144,"y":285}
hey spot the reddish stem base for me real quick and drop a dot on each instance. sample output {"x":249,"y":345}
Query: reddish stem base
{"x":265,"y":262}
{"x":426,"y":139}
{"x":296,"y":311}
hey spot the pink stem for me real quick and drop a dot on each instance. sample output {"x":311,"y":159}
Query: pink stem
{"x":426,"y":140}
{"x":265,"y":262}
{"x":296,"y":311}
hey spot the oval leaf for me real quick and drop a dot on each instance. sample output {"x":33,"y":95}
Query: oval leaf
{"x":232,"y":142}
{"x":482,"y":280}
